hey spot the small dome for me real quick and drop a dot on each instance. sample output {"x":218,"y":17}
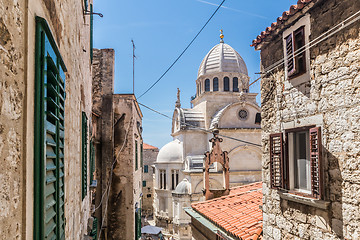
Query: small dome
{"x":222,"y":58}
{"x":171,"y":152}
{"x":184,"y":187}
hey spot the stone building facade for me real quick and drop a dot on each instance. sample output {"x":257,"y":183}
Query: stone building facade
{"x":222,"y":103}
{"x":150,"y":153}
{"x":310,"y":121}
{"x":45,"y":94}
{"x":118,"y":139}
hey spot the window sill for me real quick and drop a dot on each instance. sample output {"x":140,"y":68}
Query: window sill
{"x":305,"y":200}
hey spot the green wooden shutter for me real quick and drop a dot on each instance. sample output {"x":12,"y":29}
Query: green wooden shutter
{"x":92,"y":161}
{"x":84,"y":137}
{"x":136,"y":156}
{"x":49,"y":220}
{"x":141,"y":155}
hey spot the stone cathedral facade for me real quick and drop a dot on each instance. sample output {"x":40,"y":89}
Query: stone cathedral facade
{"x":222,"y":103}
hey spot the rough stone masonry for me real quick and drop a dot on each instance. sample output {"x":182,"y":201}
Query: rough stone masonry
{"x":330,"y":98}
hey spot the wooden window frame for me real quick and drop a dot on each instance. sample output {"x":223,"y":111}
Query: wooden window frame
{"x":84,"y":151}
{"x":292,"y":53}
{"x":316,"y":162}
{"x":49,"y":136}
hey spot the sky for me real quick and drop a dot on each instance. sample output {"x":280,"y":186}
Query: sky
{"x":161,"y":29}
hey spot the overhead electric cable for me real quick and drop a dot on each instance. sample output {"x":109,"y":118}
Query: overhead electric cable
{"x":182,"y":53}
{"x":202,"y":129}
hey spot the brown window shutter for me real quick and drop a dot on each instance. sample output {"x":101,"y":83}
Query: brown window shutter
{"x":290,"y":54}
{"x":316,"y":162}
{"x":276,"y":160}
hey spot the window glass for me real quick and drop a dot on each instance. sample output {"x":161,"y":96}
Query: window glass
{"x":235,"y":84}
{"x":302,"y":161}
{"x":226,"y":84}
{"x":207,"y":85}
{"x":215,"y":84}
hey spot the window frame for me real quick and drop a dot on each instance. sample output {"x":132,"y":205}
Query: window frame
{"x":236,"y":84}
{"x":207,"y":85}
{"x":226,"y":82}
{"x":146,"y":168}
{"x":136,"y":156}
{"x":282,"y":169}
{"x":215,"y":86}
{"x":47,"y":56}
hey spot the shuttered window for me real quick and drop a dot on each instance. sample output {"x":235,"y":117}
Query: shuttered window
{"x":84,"y":150}
{"x":292,"y":173}
{"x":136,"y":156}
{"x":92,"y":161}
{"x":276,"y":161}
{"x":49,"y":221}
{"x":316,"y":162}
{"x":141,"y":155}
{"x":295,"y":52}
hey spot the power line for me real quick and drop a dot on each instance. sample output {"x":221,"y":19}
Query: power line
{"x":202,"y":129}
{"x":182,"y":53}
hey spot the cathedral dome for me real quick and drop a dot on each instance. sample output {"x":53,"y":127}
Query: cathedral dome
{"x":171,"y":152}
{"x":184,"y":187}
{"x":222,"y":58}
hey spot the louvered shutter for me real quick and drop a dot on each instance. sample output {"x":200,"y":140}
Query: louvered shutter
{"x":276,"y":160}
{"x":290,"y":54}
{"x":316,"y":162}
{"x":84,"y":133}
{"x":49,"y":137}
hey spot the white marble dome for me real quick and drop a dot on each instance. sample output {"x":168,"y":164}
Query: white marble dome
{"x":171,"y":152}
{"x":222,"y":58}
{"x":184,"y":187}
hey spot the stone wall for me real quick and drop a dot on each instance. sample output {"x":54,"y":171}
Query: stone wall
{"x":12,"y":117}
{"x":126,"y":186}
{"x":329,"y":99}
{"x":17,"y":91}
{"x":148,"y":191}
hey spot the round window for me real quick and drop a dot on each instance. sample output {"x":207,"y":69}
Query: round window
{"x":243,"y":114}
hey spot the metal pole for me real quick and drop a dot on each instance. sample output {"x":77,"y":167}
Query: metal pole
{"x":133,"y":65}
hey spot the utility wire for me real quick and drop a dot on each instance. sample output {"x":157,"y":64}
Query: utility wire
{"x":202,"y":129}
{"x":182,"y":53}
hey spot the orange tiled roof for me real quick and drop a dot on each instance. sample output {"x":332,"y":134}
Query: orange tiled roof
{"x":238,"y":213}
{"x":148,"y":146}
{"x":280,"y":20}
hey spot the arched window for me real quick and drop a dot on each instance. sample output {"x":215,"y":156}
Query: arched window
{"x":207,"y":85}
{"x":226,"y":84}
{"x":235,"y":84}
{"x":199,"y":88}
{"x":215,"y":84}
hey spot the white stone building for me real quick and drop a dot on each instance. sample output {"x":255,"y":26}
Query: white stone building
{"x":222,"y":103}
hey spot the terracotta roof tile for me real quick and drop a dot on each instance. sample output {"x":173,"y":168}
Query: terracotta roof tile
{"x":237,"y":213}
{"x":280,"y":20}
{"x":148,"y":146}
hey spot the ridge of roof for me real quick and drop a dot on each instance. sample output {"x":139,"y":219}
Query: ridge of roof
{"x":280,"y":20}
{"x":148,"y":146}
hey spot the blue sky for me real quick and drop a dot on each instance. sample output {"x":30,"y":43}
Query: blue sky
{"x":161,"y":29}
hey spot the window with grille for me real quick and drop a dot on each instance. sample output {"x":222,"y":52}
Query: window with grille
{"x":49,"y":219}
{"x":84,"y":150}
{"x":296,"y":163}
{"x":136,"y":156}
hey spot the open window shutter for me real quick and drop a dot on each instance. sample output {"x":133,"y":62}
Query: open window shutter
{"x":290,"y":54}
{"x":316,"y":162}
{"x":276,"y":160}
